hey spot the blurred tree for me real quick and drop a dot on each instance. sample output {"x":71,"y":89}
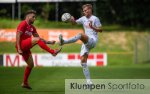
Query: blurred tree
{"x":5,"y":11}
{"x":46,"y":8}
{"x":24,"y":8}
{"x":126,"y":12}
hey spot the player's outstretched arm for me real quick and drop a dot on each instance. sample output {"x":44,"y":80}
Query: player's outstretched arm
{"x":48,"y":42}
{"x":51,"y":42}
{"x":72,"y":20}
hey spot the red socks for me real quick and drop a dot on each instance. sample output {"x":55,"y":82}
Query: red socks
{"x":45,"y":47}
{"x":26,"y":74}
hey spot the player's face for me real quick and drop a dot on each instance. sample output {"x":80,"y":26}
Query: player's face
{"x":31,"y":18}
{"x":87,"y":12}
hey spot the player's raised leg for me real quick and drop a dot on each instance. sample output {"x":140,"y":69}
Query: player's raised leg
{"x":79,"y":36}
{"x":37,"y":40}
{"x":29,"y":60}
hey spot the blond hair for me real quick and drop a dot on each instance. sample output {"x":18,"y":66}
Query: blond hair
{"x":87,"y":5}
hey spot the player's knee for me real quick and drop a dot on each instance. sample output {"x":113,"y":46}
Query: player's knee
{"x":35,"y":39}
{"x":83,"y":60}
{"x":31,"y":65}
{"x":83,"y":38}
{"x":80,"y":34}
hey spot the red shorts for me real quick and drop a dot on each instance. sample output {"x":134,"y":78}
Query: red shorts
{"x":26,"y":45}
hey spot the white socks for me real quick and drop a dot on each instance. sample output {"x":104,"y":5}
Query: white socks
{"x":86,"y":72}
{"x":73,"y":39}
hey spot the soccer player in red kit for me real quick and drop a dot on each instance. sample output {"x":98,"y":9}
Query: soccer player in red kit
{"x":25,"y":41}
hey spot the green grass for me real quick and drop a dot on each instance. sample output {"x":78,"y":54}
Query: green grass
{"x":51,"y":80}
{"x":40,"y":23}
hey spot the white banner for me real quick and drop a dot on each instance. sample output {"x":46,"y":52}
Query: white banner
{"x":107,"y":86}
{"x":7,"y":1}
{"x":63,"y":59}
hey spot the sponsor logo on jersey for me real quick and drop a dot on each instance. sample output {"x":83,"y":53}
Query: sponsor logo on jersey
{"x":31,"y":29}
{"x":28,"y":33}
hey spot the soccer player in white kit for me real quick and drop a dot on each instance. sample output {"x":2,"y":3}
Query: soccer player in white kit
{"x":89,"y":38}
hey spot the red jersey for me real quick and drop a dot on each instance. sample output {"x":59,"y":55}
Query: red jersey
{"x":26,"y":29}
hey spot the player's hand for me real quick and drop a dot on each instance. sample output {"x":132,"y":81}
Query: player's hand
{"x":51,"y":42}
{"x":72,"y":19}
{"x":20,"y":51}
{"x":90,"y":25}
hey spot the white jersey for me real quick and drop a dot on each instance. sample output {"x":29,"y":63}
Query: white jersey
{"x":85,"y":22}
{"x":93,"y":36}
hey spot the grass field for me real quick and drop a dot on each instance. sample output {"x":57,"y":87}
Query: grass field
{"x":51,"y":80}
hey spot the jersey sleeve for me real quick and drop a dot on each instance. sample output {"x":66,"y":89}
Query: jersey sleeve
{"x":79,"y":21}
{"x":97,"y":22}
{"x":21,"y":27}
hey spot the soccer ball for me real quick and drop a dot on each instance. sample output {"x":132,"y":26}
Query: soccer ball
{"x":65,"y":17}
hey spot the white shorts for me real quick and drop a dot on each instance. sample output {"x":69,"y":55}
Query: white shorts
{"x":88,"y":46}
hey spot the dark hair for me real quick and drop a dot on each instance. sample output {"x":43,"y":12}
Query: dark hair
{"x":30,"y":12}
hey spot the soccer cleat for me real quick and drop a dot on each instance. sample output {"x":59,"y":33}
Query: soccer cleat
{"x":56,"y":51}
{"x":89,"y":82}
{"x":25,"y":85}
{"x":61,"y":40}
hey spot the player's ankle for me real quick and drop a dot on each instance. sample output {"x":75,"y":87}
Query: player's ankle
{"x":52,"y":51}
{"x":25,"y":82}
